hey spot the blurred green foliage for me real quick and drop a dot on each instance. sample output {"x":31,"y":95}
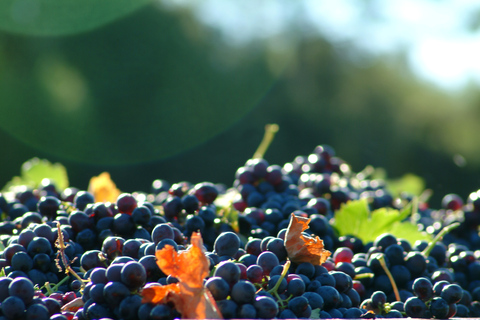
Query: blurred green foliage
{"x":156,"y":94}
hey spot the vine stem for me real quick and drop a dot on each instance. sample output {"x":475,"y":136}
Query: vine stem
{"x":381,"y":259}
{"x":274,"y":290}
{"x":439,"y":237}
{"x":270,"y":131}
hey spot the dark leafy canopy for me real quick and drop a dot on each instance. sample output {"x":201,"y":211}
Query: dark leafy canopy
{"x":52,"y":17}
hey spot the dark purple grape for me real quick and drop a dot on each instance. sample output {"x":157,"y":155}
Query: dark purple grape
{"x":113,"y":272}
{"x":267,"y":260}
{"x":415,"y":308}
{"x":96,"y":293}
{"x":82,"y":199}
{"x":331,"y":297}
{"x":206,"y":192}
{"x":133,"y":275}
{"x":253,"y":246}
{"x":92,"y":259}
{"x":452,"y":293}
{"x":378,"y":298}
{"x":243,"y":292}
{"x":247,"y":311}
{"x":10,"y":250}
{"x":298,"y":305}
{"x":266,"y":307}
{"x":98,"y":311}
{"x":13,"y":308}
{"x":126,"y":203}
{"x":131,"y":247}
{"x":153,"y":272}
{"x":162,"y":231}
{"x":255,"y":273}
{"x":114,"y":293}
{"x":48,"y":206}
{"x":228,"y":308}
{"x":227,"y":244}
{"x":439,"y":308}
{"x":4,"y":283}
{"x":229,"y":271}
{"x":141,"y":215}
{"x":113,"y":246}
{"x":123,"y":224}
{"x":129,"y":307}
{"x":295,"y":287}
{"x":79,"y":221}
{"x":423,"y":288}
{"x":416,"y":263}
{"x":53,"y":305}
{"x":21,"y":261}
{"x":219,"y":288}
{"x":23,"y":288}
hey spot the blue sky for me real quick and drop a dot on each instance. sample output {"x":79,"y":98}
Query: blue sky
{"x":433,"y":33}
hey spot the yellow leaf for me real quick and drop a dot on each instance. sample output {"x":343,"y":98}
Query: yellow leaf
{"x":103,"y":188}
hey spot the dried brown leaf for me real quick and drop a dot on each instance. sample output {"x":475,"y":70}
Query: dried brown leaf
{"x":303,"y":248}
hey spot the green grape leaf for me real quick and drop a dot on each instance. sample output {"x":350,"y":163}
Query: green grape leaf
{"x":53,"y":17}
{"x":35,"y":170}
{"x":354,"y":218}
{"x":408,"y":183}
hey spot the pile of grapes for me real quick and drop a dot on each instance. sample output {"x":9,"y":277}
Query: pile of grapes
{"x":65,"y":255}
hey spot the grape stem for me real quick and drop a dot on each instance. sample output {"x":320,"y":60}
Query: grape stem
{"x":270,"y":131}
{"x":364,"y":276}
{"x":439,"y":237}
{"x":274,"y":290}
{"x":381,"y":259}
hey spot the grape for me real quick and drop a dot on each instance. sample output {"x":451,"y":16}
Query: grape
{"x":452,"y":293}
{"x":219,"y":288}
{"x":162,"y":231}
{"x":343,"y":281}
{"x":13,"y":308}
{"x":267,"y":260}
{"x":255,"y":273}
{"x":298,"y":305}
{"x":331,"y":297}
{"x":243,"y":292}
{"x":266,"y":307}
{"x":21,"y":261}
{"x":247,"y":311}
{"x":378,"y":298}
{"x":23,"y":288}
{"x":414,"y":307}
{"x":423,"y":289}
{"x":342,"y":254}
{"x":115,"y":292}
{"x":227,"y":244}
{"x":439,"y":308}
{"x":37,"y":312}
{"x":129,"y":307}
{"x":295,"y":287}
{"x":277,"y":246}
{"x":229,"y":271}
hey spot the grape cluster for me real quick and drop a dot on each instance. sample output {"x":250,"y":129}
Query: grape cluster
{"x":66,"y":256}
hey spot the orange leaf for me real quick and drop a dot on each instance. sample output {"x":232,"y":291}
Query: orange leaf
{"x":190,"y":266}
{"x":103,"y":188}
{"x":303,"y":248}
{"x":188,"y":295}
{"x":158,"y":294}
